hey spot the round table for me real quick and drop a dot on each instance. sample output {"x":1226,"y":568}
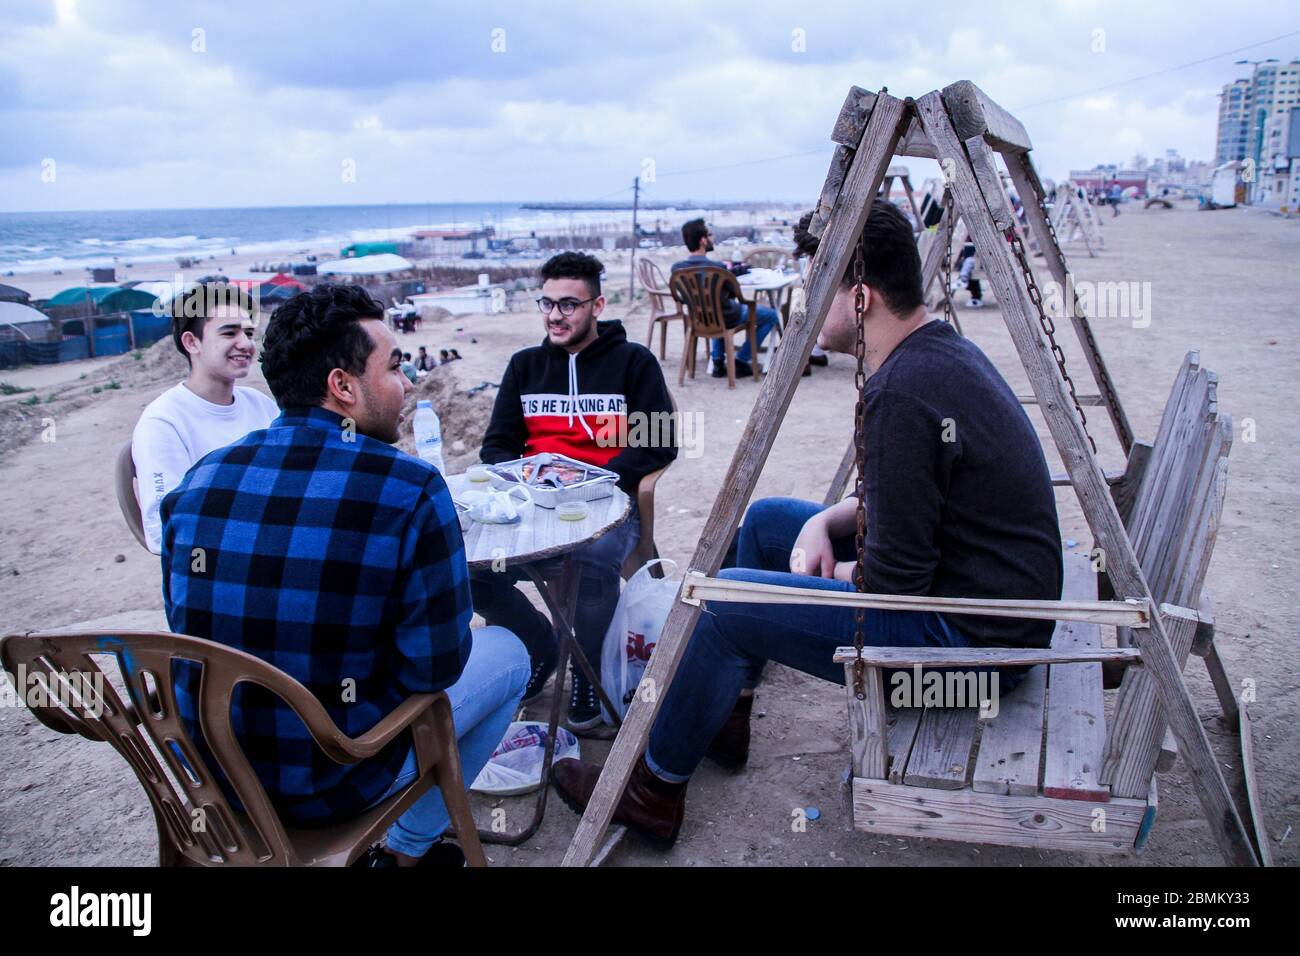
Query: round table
{"x":540,"y":534}
{"x":529,"y":545}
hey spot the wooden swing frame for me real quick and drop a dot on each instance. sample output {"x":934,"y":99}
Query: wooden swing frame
{"x":962,"y":128}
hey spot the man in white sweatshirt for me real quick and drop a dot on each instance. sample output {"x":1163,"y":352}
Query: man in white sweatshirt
{"x":212,"y":326}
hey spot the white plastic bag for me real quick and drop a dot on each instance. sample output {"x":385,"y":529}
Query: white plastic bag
{"x":633,"y":632}
{"x":516,"y":764}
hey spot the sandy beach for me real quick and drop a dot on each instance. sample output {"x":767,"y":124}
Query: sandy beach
{"x":1223,"y":282}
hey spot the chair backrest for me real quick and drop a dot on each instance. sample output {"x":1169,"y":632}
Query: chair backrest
{"x":646,"y":548}
{"x":703,"y":291}
{"x":651,"y":276}
{"x":656,"y":286}
{"x":1175,"y":516}
{"x":124,"y":479}
{"x":81,"y":700}
{"x":765,"y":257}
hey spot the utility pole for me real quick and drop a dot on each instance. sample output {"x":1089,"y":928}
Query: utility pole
{"x":631,"y":265}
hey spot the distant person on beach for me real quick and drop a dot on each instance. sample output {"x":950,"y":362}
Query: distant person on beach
{"x":213,"y":327}
{"x":424,"y":362}
{"x":1115,"y":198}
{"x":408,"y":367}
{"x":575,"y":395}
{"x":445,"y":356}
{"x":699,"y":243}
{"x":339,"y":559}
{"x":958,"y":502}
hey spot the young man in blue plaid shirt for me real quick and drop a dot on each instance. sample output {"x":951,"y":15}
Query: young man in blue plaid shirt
{"x":317,"y":546}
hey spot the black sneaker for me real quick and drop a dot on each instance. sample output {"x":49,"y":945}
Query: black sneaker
{"x":584,"y":705}
{"x":743,"y":369}
{"x":543,"y":668}
{"x":441,"y":854}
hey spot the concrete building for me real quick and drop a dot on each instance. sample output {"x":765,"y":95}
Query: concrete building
{"x":1234,"y":122}
{"x":1249,"y":125}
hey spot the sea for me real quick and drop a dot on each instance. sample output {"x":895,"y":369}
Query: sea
{"x":43,"y":241}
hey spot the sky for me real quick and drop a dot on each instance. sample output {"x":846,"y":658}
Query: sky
{"x":124,"y":104}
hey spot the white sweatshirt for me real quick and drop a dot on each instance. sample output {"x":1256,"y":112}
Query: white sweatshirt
{"x":178,"y":428}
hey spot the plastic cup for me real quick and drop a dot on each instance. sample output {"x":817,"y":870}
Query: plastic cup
{"x":571,"y":511}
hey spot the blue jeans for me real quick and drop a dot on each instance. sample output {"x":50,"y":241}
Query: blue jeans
{"x":599,"y":566}
{"x":483,"y":701}
{"x":732,"y":642}
{"x":765,"y":320}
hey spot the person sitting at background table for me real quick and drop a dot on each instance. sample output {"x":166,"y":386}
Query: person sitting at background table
{"x":699,"y":243}
{"x":572,"y":395}
{"x":337,"y":558}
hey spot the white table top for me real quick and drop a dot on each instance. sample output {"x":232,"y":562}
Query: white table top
{"x":540,"y":533}
{"x":767,"y":280}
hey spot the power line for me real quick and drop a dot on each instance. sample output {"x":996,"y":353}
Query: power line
{"x":1147,"y":76}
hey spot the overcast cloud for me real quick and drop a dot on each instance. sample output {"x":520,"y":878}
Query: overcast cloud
{"x":279,"y":96}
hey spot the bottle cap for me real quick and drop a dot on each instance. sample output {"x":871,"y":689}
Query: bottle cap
{"x":424,"y":403}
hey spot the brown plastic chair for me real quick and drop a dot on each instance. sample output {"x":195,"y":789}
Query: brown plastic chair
{"x":701,"y":290}
{"x":255,"y":837}
{"x":124,"y":478}
{"x":663,"y":307}
{"x":646,"y":549}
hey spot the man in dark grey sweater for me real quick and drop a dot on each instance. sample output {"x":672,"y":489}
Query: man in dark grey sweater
{"x":959,"y":503}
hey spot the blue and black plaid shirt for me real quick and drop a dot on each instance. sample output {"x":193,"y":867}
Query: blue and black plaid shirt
{"x":336,"y":558}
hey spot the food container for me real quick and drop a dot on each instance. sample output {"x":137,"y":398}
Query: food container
{"x":554,"y":479}
{"x":462,"y":515}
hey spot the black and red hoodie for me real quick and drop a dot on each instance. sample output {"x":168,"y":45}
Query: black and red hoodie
{"x":578,"y":405}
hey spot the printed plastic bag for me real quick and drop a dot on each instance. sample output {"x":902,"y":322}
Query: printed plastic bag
{"x":633,"y":632}
{"x":516,"y":765}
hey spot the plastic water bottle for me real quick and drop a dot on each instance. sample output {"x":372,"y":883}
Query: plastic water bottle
{"x":428,"y":434}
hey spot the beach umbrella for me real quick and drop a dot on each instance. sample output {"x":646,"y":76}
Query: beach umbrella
{"x":270,"y":294}
{"x":288,"y":281}
{"x":9,"y":293}
{"x":365,"y":265}
{"x":109,"y":298}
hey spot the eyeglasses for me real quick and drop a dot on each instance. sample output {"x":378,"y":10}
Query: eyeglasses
{"x":566,"y":306}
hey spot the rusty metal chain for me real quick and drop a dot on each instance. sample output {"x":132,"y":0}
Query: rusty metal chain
{"x":950,"y":227}
{"x":1089,"y":341}
{"x":860,"y":446}
{"x":1049,"y":327}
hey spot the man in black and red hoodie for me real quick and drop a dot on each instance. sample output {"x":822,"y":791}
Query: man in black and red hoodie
{"x":580,"y":393}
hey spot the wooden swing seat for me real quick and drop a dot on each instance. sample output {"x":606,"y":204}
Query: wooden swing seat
{"x":1049,"y":771}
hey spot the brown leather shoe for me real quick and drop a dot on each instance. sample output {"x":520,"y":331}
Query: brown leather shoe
{"x":730,"y":748}
{"x":650,"y":807}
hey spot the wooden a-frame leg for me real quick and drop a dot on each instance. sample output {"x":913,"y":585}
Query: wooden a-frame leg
{"x":1222,"y":686}
{"x":883,"y":130}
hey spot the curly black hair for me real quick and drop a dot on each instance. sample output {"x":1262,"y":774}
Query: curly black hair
{"x":805,"y":243}
{"x":190,"y":308}
{"x":575,"y":265}
{"x":312,"y":334}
